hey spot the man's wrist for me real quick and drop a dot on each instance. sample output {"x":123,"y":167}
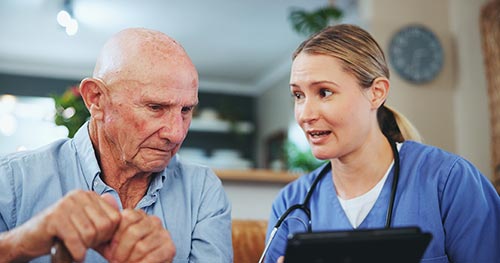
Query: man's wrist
{"x":10,"y":249}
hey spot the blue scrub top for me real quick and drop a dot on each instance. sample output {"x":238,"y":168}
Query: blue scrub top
{"x":437,"y":191}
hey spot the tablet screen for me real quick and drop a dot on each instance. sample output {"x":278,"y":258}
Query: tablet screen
{"x":406,"y":244}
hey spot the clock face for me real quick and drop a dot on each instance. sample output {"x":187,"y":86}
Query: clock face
{"x":416,"y":54}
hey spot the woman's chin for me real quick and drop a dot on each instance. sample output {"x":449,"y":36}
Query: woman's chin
{"x":321,"y":156}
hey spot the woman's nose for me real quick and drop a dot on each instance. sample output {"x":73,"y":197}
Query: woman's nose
{"x":307,"y":111}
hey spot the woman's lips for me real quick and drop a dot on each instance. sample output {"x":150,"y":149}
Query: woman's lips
{"x":318,"y":136}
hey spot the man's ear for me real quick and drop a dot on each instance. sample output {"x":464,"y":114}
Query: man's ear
{"x":92,"y":94}
{"x":379,"y":91}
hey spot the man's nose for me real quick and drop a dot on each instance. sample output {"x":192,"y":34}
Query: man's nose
{"x":174,"y":128}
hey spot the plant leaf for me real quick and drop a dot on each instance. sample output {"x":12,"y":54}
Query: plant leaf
{"x":307,"y":23}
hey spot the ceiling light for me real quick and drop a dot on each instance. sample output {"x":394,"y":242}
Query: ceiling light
{"x":63,"y":18}
{"x":72,"y":27}
{"x":66,"y":19}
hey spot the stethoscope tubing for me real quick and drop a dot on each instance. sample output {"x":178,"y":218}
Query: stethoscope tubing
{"x":325,"y":170}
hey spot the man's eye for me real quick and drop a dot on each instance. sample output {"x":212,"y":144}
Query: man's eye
{"x":155,"y":107}
{"x":325,"y":93}
{"x":187,"y":109}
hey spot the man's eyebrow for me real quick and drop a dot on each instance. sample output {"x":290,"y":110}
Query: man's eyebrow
{"x":167,"y":103}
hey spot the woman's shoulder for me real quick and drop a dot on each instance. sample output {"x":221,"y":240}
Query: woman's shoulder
{"x":435,"y":162}
{"x":422,"y":147}
{"x":417,"y":152}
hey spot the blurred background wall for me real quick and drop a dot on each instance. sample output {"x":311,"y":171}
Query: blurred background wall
{"x":451,"y":111}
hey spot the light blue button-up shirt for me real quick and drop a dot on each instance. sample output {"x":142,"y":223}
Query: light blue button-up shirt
{"x":188,"y":198}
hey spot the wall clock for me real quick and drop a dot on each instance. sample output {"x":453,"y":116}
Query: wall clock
{"x":416,"y":54}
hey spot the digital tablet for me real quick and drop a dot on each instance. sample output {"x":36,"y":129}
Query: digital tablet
{"x":406,"y":244}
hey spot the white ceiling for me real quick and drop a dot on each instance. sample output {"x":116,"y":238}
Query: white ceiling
{"x":238,"y":46}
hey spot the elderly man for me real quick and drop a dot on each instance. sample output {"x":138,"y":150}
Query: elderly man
{"x":117,"y":192}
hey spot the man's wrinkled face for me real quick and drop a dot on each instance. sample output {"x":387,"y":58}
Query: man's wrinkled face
{"x":145,"y":123}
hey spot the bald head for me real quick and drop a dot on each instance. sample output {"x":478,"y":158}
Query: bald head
{"x":141,"y":99}
{"x":137,"y":54}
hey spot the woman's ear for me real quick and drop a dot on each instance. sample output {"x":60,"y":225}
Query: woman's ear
{"x":379,"y":91}
{"x":92,"y":94}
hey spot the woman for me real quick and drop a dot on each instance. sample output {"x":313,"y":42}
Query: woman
{"x":340,"y":81}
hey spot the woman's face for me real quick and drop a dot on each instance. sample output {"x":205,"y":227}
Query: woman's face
{"x":334,"y":112}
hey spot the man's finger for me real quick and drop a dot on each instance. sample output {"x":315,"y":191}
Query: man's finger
{"x":110,"y":200}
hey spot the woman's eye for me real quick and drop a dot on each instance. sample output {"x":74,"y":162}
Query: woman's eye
{"x":297,"y":95}
{"x":325,"y":92}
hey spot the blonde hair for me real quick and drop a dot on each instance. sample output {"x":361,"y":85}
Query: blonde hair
{"x":406,"y":128}
{"x":362,"y":57}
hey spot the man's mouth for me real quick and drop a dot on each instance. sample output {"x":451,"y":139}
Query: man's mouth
{"x":163,"y":150}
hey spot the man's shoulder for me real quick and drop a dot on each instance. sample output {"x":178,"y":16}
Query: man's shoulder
{"x":32,"y":159}
{"x":190,"y":178}
{"x":186,"y":170}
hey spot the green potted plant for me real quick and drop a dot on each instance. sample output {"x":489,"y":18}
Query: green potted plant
{"x":307,"y":23}
{"x":70,"y":110}
{"x":300,"y":161}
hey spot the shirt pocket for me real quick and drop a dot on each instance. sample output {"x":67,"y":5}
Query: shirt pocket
{"x":441,"y":259}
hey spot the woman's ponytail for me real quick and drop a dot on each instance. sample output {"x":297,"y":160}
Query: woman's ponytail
{"x":396,"y":126}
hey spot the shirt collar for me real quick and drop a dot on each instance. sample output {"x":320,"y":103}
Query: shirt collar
{"x":159,"y":178}
{"x":86,"y":155}
{"x":91,"y":170}
{"x":157,"y":183}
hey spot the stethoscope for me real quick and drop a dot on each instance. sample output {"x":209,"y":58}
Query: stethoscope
{"x":326,"y":169}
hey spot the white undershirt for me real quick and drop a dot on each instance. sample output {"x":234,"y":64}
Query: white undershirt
{"x":358,"y":208}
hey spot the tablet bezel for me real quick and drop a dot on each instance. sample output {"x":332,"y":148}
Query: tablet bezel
{"x":402,"y":244}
